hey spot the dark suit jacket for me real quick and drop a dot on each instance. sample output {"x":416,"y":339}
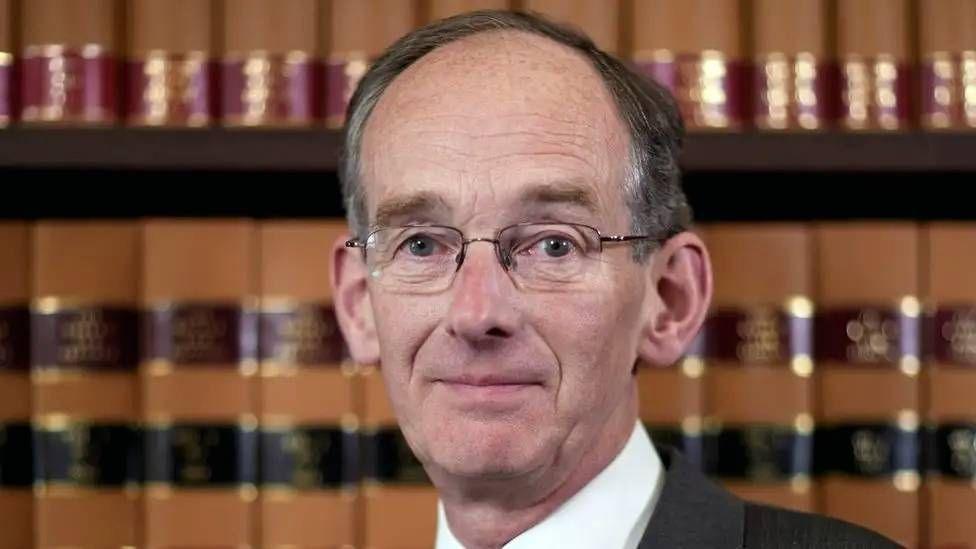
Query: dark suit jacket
{"x":694,"y":512}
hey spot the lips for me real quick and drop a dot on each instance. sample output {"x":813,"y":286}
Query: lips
{"x":490,"y":380}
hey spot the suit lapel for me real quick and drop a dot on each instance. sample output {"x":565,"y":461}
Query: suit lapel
{"x":693,"y":511}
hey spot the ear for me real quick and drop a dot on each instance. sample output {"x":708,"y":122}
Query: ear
{"x":352,"y":303}
{"x":681,"y":278}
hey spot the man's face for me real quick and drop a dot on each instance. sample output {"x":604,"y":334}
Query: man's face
{"x":490,"y":379}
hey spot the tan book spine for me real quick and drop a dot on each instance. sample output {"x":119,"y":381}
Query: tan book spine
{"x":696,"y":48}
{"x":399,"y":502}
{"x":434,"y":10}
{"x":70,"y":52}
{"x":16,"y":452}
{"x":271,"y":72}
{"x":759,"y":356}
{"x":358,"y":32}
{"x":868,"y":368}
{"x":599,"y":20}
{"x":875,"y":53}
{"x":950,"y":342}
{"x":84,"y":353}
{"x":795,"y":85}
{"x":6,"y":62}
{"x":947,"y":31}
{"x":169,"y":79}
{"x":198,"y":374}
{"x":309,"y":422}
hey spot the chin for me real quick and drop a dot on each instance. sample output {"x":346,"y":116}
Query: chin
{"x":487,"y":447}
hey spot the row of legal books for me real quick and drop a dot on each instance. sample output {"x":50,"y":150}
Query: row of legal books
{"x":731,"y":64}
{"x":183,"y":383}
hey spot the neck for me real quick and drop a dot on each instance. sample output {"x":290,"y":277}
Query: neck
{"x":488,"y":514}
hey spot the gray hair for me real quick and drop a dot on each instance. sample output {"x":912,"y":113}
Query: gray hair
{"x":653,"y":182}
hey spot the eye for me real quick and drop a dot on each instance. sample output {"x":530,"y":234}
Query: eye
{"x":555,"y":246}
{"x":420,"y":245}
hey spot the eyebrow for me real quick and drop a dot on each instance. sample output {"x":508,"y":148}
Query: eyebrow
{"x":572,"y":192}
{"x":398,"y":208}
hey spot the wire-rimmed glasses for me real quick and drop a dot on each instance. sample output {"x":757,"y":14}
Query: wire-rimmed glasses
{"x":542,"y":256}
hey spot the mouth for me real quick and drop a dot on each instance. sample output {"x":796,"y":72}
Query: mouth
{"x":488,"y":389}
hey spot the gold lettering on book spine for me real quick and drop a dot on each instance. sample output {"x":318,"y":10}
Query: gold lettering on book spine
{"x":171,"y":82}
{"x":790,"y":98}
{"x":968,"y":70}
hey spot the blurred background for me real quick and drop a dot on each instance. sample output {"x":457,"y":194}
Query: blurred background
{"x":171,"y":373}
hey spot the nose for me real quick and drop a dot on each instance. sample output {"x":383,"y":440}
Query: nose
{"x":482,"y":306}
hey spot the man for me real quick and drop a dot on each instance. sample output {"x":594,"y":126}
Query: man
{"x":520,"y":243}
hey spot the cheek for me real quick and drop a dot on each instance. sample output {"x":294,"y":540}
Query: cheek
{"x":595,"y":342}
{"x":402,"y":324}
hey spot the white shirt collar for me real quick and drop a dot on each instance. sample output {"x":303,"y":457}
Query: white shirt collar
{"x":611,"y":511}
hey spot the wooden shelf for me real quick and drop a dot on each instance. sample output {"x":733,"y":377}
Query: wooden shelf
{"x":315,"y":150}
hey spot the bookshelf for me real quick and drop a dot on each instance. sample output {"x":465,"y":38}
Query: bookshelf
{"x":315,"y":149}
{"x":269,"y":173}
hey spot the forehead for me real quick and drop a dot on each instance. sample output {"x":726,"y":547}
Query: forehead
{"x":480,"y":119}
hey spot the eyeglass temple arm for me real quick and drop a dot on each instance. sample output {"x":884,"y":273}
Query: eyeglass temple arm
{"x":622,"y":238}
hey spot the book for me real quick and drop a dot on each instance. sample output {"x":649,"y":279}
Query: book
{"x":70,"y":56}
{"x":794,"y":66}
{"x":868,"y":434}
{"x":950,"y":382}
{"x":759,"y":355}
{"x":947,"y":64}
{"x":309,"y":467}
{"x":84,"y":353}
{"x":434,"y":10}
{"x":599,"y":20}
{"x":358,"y":31}
{"x":16,"y":437}
{"x":170,"y":79}
{"x":875,"y":55}
{"x":198,"y":371}
{"x":696,"y":49}
{"x":399,"y":501}
{"x":6,"y":62}
{"x":271,"y":72}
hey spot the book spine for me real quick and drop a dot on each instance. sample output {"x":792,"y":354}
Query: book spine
{"x":84,"y":340}
{"x":271,"y":72}
{"x":877,"y":81}
{"x":868,"y":437}
{"x":434,"y":10}
{"x":358,"y":32}
{"x":947,"y":64}
{"x":198,"y":368}
{"x":758,"y":349}
{"x":16,"y":434}
{"x":7,"y":83}
{"x":695,"y":48}
{"x":309,"y":470}
{"x":399,"y":501}
{"x":70,"y":72}
{"x":599,"y":20}
{"x":169,"y":70}
{"x":950,"y":348}
{"x":795,"y":74}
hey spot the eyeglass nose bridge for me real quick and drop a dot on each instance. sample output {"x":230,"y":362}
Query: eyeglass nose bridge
{"x":503,"y":258}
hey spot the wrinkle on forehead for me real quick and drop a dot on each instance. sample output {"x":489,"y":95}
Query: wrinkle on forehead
{"x":487,"y":100}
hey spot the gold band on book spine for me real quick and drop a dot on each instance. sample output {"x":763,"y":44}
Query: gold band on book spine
{"x":790,"y":99}
{"x":870,"y":93}
{"x":174,"y":87}
{"x":275,"y":89}
{"x":951,"y":94}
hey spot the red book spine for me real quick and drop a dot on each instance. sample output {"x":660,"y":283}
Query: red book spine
{"x":6,"y":62}
{"x":70,"y":72}
{"x":170,"y":76}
